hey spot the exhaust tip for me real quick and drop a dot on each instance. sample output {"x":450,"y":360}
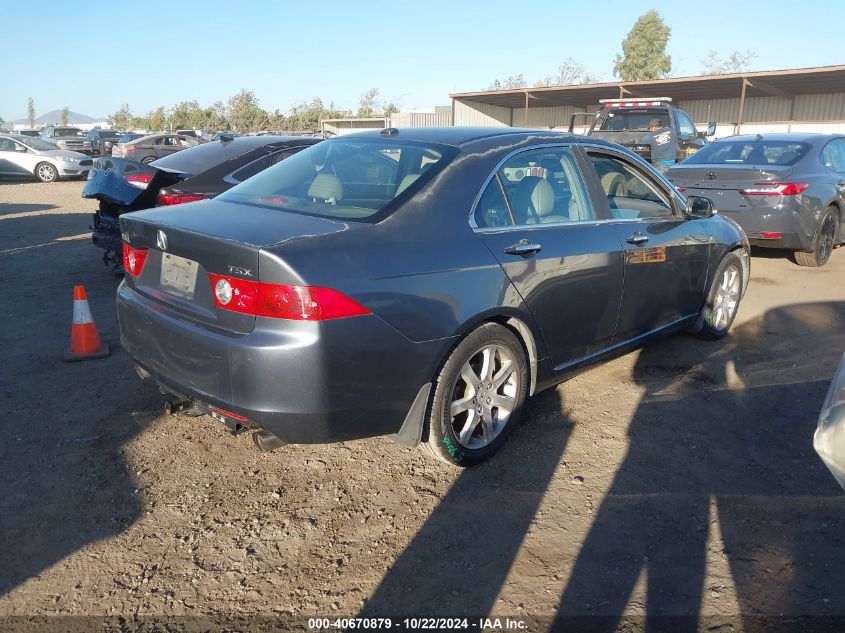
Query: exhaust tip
{"x":266,"y":441}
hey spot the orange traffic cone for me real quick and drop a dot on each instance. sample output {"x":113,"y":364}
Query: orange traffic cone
{"x":84,"y":340}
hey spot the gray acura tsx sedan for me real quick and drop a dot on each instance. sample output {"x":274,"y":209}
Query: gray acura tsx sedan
{"x":418,"y":283}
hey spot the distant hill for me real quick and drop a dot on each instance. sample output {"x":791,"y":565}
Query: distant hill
{"x":55,"y":116}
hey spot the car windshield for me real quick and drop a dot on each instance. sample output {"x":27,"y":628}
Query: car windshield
{"x":108,"y":135}
{"x":624,"y":120}
{"x":35,"y":143}
{"x":64,"y":132}
{"x":354,"y":179}
{"x":753,"y":152}
{"x":199,"y":158}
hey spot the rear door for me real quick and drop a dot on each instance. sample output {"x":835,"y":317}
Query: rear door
{"x":666,"y":255}
{"x":12,"y":159}
{"x":560,"y":253}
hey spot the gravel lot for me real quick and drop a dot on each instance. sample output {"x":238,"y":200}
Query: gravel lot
{"x":678,"y":480}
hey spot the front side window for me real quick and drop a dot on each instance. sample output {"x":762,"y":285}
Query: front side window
{"x":345,"y":178}
{"x":540,"y":186}
{"x":686,"y":129}
{"x":630,"y":194}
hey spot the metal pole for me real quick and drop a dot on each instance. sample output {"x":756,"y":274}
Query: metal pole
{"x":525,"y":117}
{"x":741,"y":107}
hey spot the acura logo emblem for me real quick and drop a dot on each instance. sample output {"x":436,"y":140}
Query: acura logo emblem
{"x":161,"y":240}
{"x":709,"y":175}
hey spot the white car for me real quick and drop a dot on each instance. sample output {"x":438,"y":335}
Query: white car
{"x":27,"y":156}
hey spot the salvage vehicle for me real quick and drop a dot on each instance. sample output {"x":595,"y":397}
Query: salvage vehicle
{"x":146,"y":149}
{"x":27,"y":156}
{"x":785,"y":190}
{"x":199,"y":172}
{"x":66,"y":137}
{"x":628,"y":122}
{"x":419,"y":283}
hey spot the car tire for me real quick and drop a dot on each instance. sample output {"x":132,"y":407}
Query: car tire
{"x":484,"y":380}
{"x":148,"y":159}
{"x":46,"y":172}
{"x":823,"y":242}
{"x":723,"y":299}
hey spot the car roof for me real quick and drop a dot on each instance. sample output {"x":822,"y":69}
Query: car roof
{"x":459,"y":135}
{"x":250,"y":142}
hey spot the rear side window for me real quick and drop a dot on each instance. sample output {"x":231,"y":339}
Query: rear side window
{"x":763,"y":152}
{"x":345,"y":178}
{"x":833,"y":155}
{"x":541,"y":186}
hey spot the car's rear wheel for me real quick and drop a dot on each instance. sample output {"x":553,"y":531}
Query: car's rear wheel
{"x":722,"y":303}
{"x":823,"y":243}
{"x":478,"y":396}
{"x":148,"y":159}
{"x":45,"y":172}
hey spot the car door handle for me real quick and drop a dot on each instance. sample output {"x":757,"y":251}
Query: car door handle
{"x":637,"y":238}
{"x":523,"y":247}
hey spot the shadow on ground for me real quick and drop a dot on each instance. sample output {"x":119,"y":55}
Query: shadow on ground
{"x":724,"y":430}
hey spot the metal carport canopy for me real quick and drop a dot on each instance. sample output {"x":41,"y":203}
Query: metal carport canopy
{"x":783,"y":83}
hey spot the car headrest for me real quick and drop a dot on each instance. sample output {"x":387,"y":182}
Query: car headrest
{"x":534,"y":195}
{"x":326,"y":187}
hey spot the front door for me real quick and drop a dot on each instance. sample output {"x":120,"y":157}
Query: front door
{"x":536,"y":218}
{"x":666,"y":255}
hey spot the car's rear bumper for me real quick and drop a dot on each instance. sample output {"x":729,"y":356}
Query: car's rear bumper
{"x":306,"y":383}
{"x":772,"y":228}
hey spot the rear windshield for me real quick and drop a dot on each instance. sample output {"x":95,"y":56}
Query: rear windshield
{"x":105,"y":134}
{"x":784,"y":153}
{"x":129,"y":137}
{"x":355,"y":179}
{"x":625,"y":120}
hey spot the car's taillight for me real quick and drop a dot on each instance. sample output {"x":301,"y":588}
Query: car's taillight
{"x":775,"y":189}
{"x":128,"y":149}
{"x":279,"y":301}
{"x":139,"y":180}
{"x":177,"y":197}
{"x":133,"y":259}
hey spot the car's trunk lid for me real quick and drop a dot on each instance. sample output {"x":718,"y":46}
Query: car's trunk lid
{"x":724,"y":184}
{"x":187,"y":242}
{"x":121,"y":182}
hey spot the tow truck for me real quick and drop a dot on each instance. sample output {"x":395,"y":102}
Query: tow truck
{"x":626,"y":121}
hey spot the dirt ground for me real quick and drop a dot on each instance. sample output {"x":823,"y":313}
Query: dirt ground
{"x":677,"y":480}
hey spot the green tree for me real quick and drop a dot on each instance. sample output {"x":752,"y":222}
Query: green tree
{"x":122,"y":119}
{"x":157,"y":119}
{"x":644,"y":50}
{"x":30,"y":111}
{"x":367,"y":104}
{"x":64,"y":115}
{"x":736,"y":62}
{"x":512,"y":82}
{"x":244,"y":111}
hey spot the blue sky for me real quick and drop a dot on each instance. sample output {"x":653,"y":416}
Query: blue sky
{"x":97,"y":56}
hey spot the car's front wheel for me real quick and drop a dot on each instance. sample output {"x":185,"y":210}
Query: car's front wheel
{"x":824,"y":242}
{"x":478,"y":396}
{"x":722,"y":303}
{"x":45,"y":172}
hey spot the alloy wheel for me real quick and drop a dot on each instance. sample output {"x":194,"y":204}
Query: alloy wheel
{"x":826,"y":238}
{"x":727,"y":298}
{"x":484,"y":396}
{"x":47,"y":173}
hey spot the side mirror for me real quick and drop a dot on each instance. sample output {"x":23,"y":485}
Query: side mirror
{"x":21,"y":148}
{"x":700,"y":207}
{"x":711,"y":128}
